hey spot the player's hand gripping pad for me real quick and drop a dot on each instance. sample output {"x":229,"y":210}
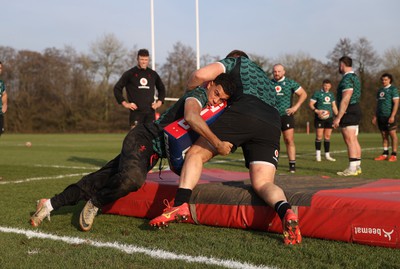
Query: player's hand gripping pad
{"x":179,"y":137}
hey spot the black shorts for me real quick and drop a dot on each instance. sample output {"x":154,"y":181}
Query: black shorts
{"x":287,"y":122}
{"x":352,"y":116}
{"x":385,"y":126}
{"x":323,"y":124}
{"x":259,"y":139}
{"x":140,"y":117}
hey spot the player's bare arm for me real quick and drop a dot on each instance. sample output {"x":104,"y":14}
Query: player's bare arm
{"x":205,"y":74}
{"x":343,"y":107}
{"x":394,"y":110}
{"x":198,"y":124}
{"x":4,"y":100}
{"x":302,"y":96}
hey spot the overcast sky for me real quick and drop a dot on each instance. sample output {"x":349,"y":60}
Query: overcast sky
{"x":263,"y":27}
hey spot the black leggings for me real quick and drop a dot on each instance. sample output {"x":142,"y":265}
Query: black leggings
{"x":124,"y":174}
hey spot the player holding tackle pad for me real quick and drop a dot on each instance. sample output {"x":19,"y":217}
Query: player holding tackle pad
{"x":141,"y":149}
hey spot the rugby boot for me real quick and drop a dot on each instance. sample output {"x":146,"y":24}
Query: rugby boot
{"x":381,"y":158}
{"x":42,"y":212}
{"x":171,"y":214}
{"x":359,"y":171}
{"x":392,"y":158}
{"x":348,"y":172}
{"x":87,"y":216}
{"x":291,"y":230}
{"x":329,"y":158}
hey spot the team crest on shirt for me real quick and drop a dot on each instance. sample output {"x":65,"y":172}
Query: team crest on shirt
{"x":278,"y":90}
{"x":143,"y":83}
{"x":381,"y":94}
{"x":276,"y":155}
{"x":327,"y":100}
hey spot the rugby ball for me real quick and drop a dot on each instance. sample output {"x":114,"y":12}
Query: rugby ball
{"x":324,"y":115}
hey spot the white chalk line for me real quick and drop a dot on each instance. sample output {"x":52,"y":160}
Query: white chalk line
{"x":154,"y":170}
{"x":68,"y":167}
{"x":282,"y":156}
{"x":132,"y":249}
{"x":41,"y":178}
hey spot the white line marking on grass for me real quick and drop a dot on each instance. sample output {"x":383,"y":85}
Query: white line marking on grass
{"x":64,"y":166}
{"x":343,"y":151}
{"x":131,"y":249}
{"x":297,"y":155}
{"x":40,"y":178}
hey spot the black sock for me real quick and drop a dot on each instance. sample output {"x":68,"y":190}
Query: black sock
{"x":182,"y":196}
{"x":394,"y":153}
{"x":327,"y":144}
{"x":318,"y":144}
{"x":281,"y":207}
{"x":385,"y":152}
{"x":292,"y":164}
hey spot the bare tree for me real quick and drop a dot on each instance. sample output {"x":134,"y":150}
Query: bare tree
{"x":391,"y":62}
{"x":207,"y":59}
{"x":108,"y":58}
{"x":343,"y":48}
{"x":108,"y":55}
{"x":130,"y":59}
{"x":365,"y":56}
{"x":265,"y":63}
{"x":181,"y":62}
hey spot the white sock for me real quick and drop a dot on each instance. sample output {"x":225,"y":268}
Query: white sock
{"x":48,"y":205}
{"x":353,"y":166}
{"x":318,"y":152}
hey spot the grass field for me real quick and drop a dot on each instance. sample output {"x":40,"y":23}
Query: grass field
{"x":55,"y":161}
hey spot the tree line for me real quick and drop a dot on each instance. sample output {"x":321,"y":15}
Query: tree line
{"x":61,"y":90}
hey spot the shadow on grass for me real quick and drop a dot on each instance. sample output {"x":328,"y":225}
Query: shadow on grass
{"x":95,"y":162}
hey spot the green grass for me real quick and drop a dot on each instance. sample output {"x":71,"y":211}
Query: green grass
{"x":54,"y":155}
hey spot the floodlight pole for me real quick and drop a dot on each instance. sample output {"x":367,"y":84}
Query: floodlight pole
{"x":153,"y":50}
{"x":197,"y":35}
